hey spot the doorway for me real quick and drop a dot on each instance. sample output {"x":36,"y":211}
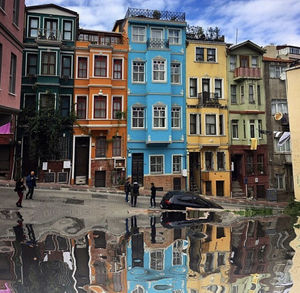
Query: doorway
{"x":220,"y":187}
{"x":177,"y":183}
{"x":82,"y":147}
{"x":100,"y":178}
{"x":138,"y":168}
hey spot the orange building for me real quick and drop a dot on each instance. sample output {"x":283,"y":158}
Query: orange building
{"x":100,"y":99}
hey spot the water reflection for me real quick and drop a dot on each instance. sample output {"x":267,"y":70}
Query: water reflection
{"x":171,"y":252}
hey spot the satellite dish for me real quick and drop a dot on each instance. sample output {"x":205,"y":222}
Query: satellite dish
{"x":278,"y":116}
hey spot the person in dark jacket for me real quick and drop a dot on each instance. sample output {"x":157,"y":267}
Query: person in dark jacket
{"x":20,"y":187}
{"x":134,"y":193}
{"x":31,"y":184}
{"x":153,"y":195}
{"x":127,"y":189}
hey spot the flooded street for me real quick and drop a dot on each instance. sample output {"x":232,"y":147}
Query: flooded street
{"x":145,"y":251}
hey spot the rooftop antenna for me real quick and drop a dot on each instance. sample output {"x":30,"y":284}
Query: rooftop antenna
{"x":236,"y":35}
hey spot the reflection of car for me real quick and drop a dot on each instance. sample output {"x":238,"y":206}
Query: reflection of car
{"x":179,"y":200}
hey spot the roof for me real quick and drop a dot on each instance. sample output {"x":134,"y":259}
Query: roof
{"x":248,"y":43}
{"x":51,"y":6}
{"x":277,"y":60}
{"x":285,"y":46}
{"x":119,"y":22}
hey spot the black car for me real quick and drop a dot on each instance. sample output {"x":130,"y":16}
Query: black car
{"x":179,"y":200}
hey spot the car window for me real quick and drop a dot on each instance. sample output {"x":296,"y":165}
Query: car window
{"x":186,"y":198}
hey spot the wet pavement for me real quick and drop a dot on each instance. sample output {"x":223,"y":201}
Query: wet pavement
{"x":64,"y":241}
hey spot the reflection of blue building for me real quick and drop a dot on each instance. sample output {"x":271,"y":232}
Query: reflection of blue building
{"x":152,"y":269}
{"x":156,"y":97}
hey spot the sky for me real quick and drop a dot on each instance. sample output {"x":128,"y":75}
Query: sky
{"x":262,"y":21}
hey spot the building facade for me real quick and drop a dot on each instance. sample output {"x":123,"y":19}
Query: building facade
{"x":11,"y":47}
{"x":48,"y":81}
{"x":100,"y":98}
{"x":156,"y":136}
{"x":247,"y":120}
{"x":207,"y":117}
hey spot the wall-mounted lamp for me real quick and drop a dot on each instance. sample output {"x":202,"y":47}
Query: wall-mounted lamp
{"x":100,"y":92}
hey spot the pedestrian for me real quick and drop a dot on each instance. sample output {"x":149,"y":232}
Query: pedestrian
{"x":20,"y":187}
{"x":127,"y":189}
{"x":134,"y":193}
{"x":153,"y":195}
{"x":31,"y":184}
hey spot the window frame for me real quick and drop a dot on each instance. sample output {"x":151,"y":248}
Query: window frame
{"x":235,"y":125}
{"x":120,"y":72}
{"x":278,"y":104}
{"x":251,"y":99}
{"x":138,"y":63}
{"x":198,"y":124}
{"x":45,"y":94}
{"x":30,"y":28}
{"x":16,"y":14}
{"x":100,"y":68}
{"x":252,"y":128}
{"x":232,"y":65}
{"x":175,"y":74}
{"x":178,"y":164}
{"x":68,"y":68}
{"x":174,"y":110}
{"x":44,"y":53}
{"x":69,"y":104}
{"x":233,"y":94}
{"x":164,"y":71}
{"x":12,"y":74}
{"x":217,"y":90}
{"x":66,"y":31}
{"x":159,"y":118}
{"x":277,"y":180}
{"x":85,"y":107}
{"x":284,"y":149}
{"x":222,"y":166}
{"x":215,"y":55}
{"x":80,"y":69}
{"x":113,"y":110}
{"x":201,"y":59}
{"x":100,"y":152}
{"x":209,"y":167}
{"x":221,"y":124}
{"x":172,"y":37}
{"x":256,"y":64}
{"x":162,"y":164}
{"x":28,"y":65}
{"x":137,"y":118}
{"x":133,"y":36}
{"x":208,"y":131}
{"x":117,"y":147}
{"x":106,"y":108}
{"x":196,"y":87}
{"x":156,"y":260}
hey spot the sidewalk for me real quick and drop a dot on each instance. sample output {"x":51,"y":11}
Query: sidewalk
{"x":146,"y":192}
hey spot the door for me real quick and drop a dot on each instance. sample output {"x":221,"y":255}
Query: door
{"x":157,"y":34}
{"x":205,"y":89}
{"x":137,"y":244}
{"x":177,"y":183}
{"x":220,"y":187}
{"x":138,"y":168}
{"x":82,"y":147}
{"x":100,"y":178}
{"x":51,"y":29}
{"x":244,"y":61}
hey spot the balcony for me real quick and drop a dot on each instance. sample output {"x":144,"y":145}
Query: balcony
{"x":156,"y":14}
{"x":157,"y":44}
{"x":247,"y":73}
{"x":100,"y":39}
{"x":48,"y":35}
{"x":207,"y":99}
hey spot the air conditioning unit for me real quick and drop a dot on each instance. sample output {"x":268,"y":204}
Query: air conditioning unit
{"x":119,"y":163}
{"x":49,"y":177}
{"x":62,"y":177}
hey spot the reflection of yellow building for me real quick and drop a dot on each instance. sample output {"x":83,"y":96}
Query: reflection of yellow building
{"x":212,"y":273}
{"x":207,"y":133}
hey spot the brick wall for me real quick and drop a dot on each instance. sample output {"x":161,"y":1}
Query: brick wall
{"x":163,"y":181}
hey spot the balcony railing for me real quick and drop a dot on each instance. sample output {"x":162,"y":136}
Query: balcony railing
{"x":156,"y":14}
{"x":208,"y":99}
{"x":48,"y":34}
{"x":159,"y":44}
{"x":247,"y":72}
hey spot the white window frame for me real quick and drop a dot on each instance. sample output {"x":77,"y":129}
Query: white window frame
{"x":257,"y":61}
{"x":231,"y":63}
{"x":77,"y":66}
{"x":224,"y":161}
{"x":157,"y":29}
{"x":252,"y":125}
{"x":86,"y":106}
{"x":45,"y":93}
{"x":72,"y":30}
{"x":163,"y":164}
{"x":237,"y":126}
{"x":93,"y":99}
{"x":276,"y":102}
{"x":178,"y":118}
{"x":198,"y":124}
{"x":144,"y":110}
{"x":176,"y":74}
{"x":163,"y":259}
{"x":154,"y":60}
{"x":277,"y":178}
{"x":26,"y":62}
{"x":138,"y":289}
{"x":28,"y":94}
{"x":70,"y":97}
{"x":107,"y":65}
{"x":223,"y":124}
{"x":140,"y":82}
{"x":180,"y":163}
{"x":61,"y":68}
{"x":284,"y":149}
{"x":197,"y":87}
{"x":216,"y":124}
{"x":28,"y":25}
{"x":212,"y":161}
{"x":41,"y":59}
{"x":112,"y":74}
{"x":210,"y":84}
{"x":216,"y":55}
{"x":179,"y":37}
{"x":112,"y":105}
{"x":222,"y":87}
{"x":144,"y":35}
{"x":198,"y":47}
{"x":165,"y":118}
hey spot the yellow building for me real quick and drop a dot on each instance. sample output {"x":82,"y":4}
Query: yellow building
{"x":293,"y":90}
{"x":207,"y":116}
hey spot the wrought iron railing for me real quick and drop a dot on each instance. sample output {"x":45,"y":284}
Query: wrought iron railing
{"x":155,"y":43}
{"x":48,"y":34}
{"x":206,"y":98}
{"x":157,"y":14}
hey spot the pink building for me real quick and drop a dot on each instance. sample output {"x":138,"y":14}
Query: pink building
{"x":11,"y":51}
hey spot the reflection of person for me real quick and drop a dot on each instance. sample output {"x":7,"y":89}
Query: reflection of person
{"x":153,"y":229}
{"x":31,"y":184}
{"x":134,"y":228}
{"x":127,"y":189}
{"x":153,"y":195}
{"x":134,"y":193}
{"x":20,"y":187}
{"x":31,"y":235}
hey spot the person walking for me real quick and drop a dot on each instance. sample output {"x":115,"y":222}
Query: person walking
{"x":127,"y":189}
{"x":31,"y":184}
{"x":134,"y":193}
{"x":20,"y":187}
{"x":153,"y":195}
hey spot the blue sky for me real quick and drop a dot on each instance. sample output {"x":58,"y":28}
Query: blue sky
{"x":261,"y":21}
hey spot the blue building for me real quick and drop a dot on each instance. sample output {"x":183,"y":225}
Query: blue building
{"x":156,"y":119}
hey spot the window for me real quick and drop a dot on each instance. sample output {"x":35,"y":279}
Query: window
{"x":254,"y":61}
{"x":100,"y":66}
{"x":199,"y":54}
{"x":117,"y":68}
{"x":258,"y":95}
{"x":211,"y":55}
{"x":2,"y":4}
{"x":66,"y":67}
{"x":157,"y":260}
{"x":156,"y":164}
{"x":138,"y":71}
{"x":30,"y":104}
{"x":48,"y":63}
{"x":242,"y":95}
{"x":159,"y":70}
{"x":159,"y":116}
{"x":285,"y":148}
{"x":279,"y":106}
{"x":235,"y":128}
{"x":249,"y":165}
{"x":260,"y":135}
{"x":138,"y":117}
{"x":138,"y":34}
{"x":209,"y":161}
{"x":67,"y":30}
{"x":251,"y":94}
{"x":208,"y":187}
{"x":31,"y":64}
{"x":244,"y":128}
{"x":210,"y":124}
{"x":101,"y":147}
{"x":193,"y":87}
{"x":252,"y":128}
{"x":176,"y":117}
{"x":81,"y":107}
{"x":174,"y":37}
{"x":195,"y":123}
{"x":233,"y":94}
{"x":51,"y":29}
{"x":275,"y":71}
{"x":221,"y":160}
{"x":33,"y":27}
{"x":232,"y":62}
{"x":16,"y":12}
{"x":0,"y":61}
{"x":65,"y":105}
{"x":260,"y":164}
{"x":279,"y":183}
{"x":82,"y":67}
{"x":116,"y":146}
{"x":47,"y":101}
{"x":221,"y":124}
{"x":177,"y":256}
{"x":218,"y":88}
{"x":138,"y":289}
{"x":117,"y":107}
{"x":99,"y":107}
{"x":157,"y":35}
{"x":12,"y":73}
{"x":177,"y":164}
{"x":175,"y":73}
